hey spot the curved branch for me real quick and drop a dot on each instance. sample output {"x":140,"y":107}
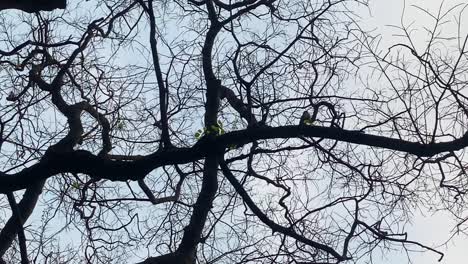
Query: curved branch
{"x":237,"y":104}
{"x":270,"y":223}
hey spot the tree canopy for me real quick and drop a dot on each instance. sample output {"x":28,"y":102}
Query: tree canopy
{"x":211,"y":131}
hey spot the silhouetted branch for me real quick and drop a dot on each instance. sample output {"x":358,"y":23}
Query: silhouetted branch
{"x":32,"y":6}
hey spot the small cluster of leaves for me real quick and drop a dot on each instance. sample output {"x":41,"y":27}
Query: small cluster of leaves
{"x":120,"y":125}
{"x":308,"y":122}
{"x":76,"y":185}
{"x":233,"y":146}
{"x":215,"y":130}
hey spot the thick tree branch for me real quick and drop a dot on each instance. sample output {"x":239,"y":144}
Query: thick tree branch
{"x":18,"y":220}
{"x":193,"y":231}
{"x":171,"y":258}
{"x":204,"y":203}
{"x":81,"y":161}
{"x":25,"y":207}
{"x":32,"y":6}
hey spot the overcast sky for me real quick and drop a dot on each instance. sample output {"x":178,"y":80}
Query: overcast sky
{"x":431,"y":230}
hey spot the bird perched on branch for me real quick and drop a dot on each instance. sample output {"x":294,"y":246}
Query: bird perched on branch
{"x":305,"y":119}
{"x":11,"y":97}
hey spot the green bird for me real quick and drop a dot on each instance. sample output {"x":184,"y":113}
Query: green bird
{"x":305,"y":119}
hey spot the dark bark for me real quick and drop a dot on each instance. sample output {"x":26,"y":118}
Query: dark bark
{"x":171,"y":258}
{"x":186,"y":252}
{"x":18,"y":221}
{"x":32,"y":6}
{"x":193,"y":231}
{"x":101,"y":167}
{"x":25,"y":208}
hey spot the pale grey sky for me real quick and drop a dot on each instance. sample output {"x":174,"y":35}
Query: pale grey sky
{"x":432,"y":230}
